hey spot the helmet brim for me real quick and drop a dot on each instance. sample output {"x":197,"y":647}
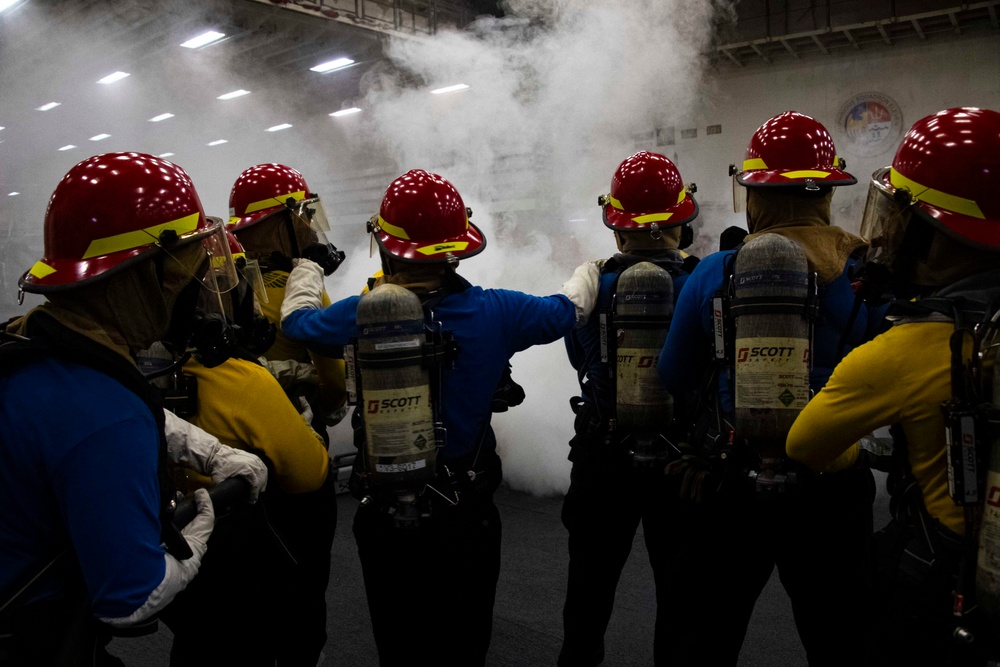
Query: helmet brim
{"x":684,"y":211}
{"x":796,"y":178}
{"x":53,"y":275}
{"x":470,"y":242}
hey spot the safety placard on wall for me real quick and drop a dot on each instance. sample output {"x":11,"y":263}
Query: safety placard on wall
{"x":398,"y":422}
{"x":772,"y":373}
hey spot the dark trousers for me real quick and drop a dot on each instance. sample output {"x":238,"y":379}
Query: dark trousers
{"x":260,"y":595}
{"x":818,"y":536}
{"x":607,"y":499}
{"x":431,"y":588}
{"x":916,"y":623}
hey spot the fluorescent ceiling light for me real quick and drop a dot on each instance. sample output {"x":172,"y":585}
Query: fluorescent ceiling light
{"x":98,"y":137}
{"x":164,"y":155}
{"x":345,"y":112}
{"x":67,"y":147}
{"x":276,"y":128}
{"x":111,"y":78}
{"x":162,"y":116}
{"x":13,"y":194}
{"x":449,"y":89}
{"x":46,"y":107}
{"x":7,"y":4}
{"x":203,"y":39}
{"x":235,"y":93}
{"x":217,"y":142}
{"x":331,"y":65}
{"x":1,"y":128}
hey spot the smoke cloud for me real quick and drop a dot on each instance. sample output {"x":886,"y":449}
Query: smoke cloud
{"x":557,"y":93}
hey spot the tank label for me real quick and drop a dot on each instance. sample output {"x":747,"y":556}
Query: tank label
{"x":398,"y":422}
{"x":988,"y":570}
{"x":637,"y":382}
{"x":772,"y":373}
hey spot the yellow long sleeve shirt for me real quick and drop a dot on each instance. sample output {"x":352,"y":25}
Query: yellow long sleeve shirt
{"x":902,"y":376}
{"x":242,"y":405}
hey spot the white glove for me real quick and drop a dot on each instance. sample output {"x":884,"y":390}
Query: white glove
{"x":177,"y":574}
{"x":304,"y":290}
{"x":582,"y":289}
{"x":190,"y":446}
{"x":289,"y":372}
{"x":305,"y":410}
{"x":197,"y":532}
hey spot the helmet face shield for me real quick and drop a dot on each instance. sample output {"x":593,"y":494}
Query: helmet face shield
{"x":884,"y":221}
{"x":739,"y":195}
{"x":219,"y":275}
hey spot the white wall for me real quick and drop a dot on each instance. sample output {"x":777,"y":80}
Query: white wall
{"x":922,"y":77}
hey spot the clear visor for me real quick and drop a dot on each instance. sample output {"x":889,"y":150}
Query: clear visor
{"x":219,"y":275}
{"x":312,"y":211}
{"x":883,"y":223}
{"x":251,"y":274}
{"x":739,"y":195}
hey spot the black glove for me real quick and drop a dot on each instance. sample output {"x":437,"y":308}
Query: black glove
{"x":324,"y":254}
{"x":507,"y":394}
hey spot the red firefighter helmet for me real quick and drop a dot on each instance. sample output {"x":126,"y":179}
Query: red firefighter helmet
{"x":792,"y":150}
{"x":263,"y":190}
{"x":111,"y":211}
{"x":647,"y":189}
{"x":423,"y":219}
{"x":949,"y":164}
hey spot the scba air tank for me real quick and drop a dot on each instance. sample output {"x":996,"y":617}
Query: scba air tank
{"x":988,"y":560}
{"x":395,"y":389}
{"x":643,"y":306}
{"x":771,"y":352}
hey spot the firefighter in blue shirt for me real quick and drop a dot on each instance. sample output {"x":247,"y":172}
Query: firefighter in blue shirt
{"x":750,"y":515}
{"x":617,"y":478}
{"x":85,"y":533}
{"x":435,"y":573}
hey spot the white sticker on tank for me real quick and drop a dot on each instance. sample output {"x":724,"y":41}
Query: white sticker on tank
{"x":772,"y":373}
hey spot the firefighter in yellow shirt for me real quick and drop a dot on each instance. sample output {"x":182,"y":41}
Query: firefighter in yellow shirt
{"x":933,"y":220}
{"x":270,"y":567}
{"x":277,"y":218}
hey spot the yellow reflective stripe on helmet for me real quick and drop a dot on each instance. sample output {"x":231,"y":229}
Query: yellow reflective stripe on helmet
{"x":681,"y":195}
{"x":754,"y":163}
{"x":233,"y":220}
{"x":278,"y":200}
{"x":651,"y":217}
{"x":935,"y":197}
{"x":806,"y":173}
{"x":140,"y":237}
{"x":614,"y":202}
{"x":439,"y":248}
{"x":41,"y":270}
{"x":392,"y":230}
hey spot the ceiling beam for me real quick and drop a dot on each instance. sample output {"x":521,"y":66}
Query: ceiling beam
{"x":788,"y":47}
{"x":820,"y":45}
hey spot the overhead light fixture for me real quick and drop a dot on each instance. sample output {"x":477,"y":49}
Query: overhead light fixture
{"x":162,"y":116}
{"x":203,"y":39}
{"x":330,"y":65}
{"x":345,"y":112}
{"x":67,"y":147}
{"x":1,"y":128}
{"x":7,"y":4}
{"x":111,"y":78}
{"x":13,"y":194}
{"x":50,"y":105}
{"x":235,"y":93}
{"x":278,"y":128}
{"x":99,"y":137}
{"x":217,"y":142}
{"x":164,"y":155}
{"x":449,"y":89}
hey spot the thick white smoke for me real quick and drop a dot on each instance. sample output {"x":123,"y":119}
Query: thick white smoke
{"x":558,"y":91}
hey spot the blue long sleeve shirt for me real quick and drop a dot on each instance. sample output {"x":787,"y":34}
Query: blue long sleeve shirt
{"x":490,"y":326}
{"x":689,"y":350}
